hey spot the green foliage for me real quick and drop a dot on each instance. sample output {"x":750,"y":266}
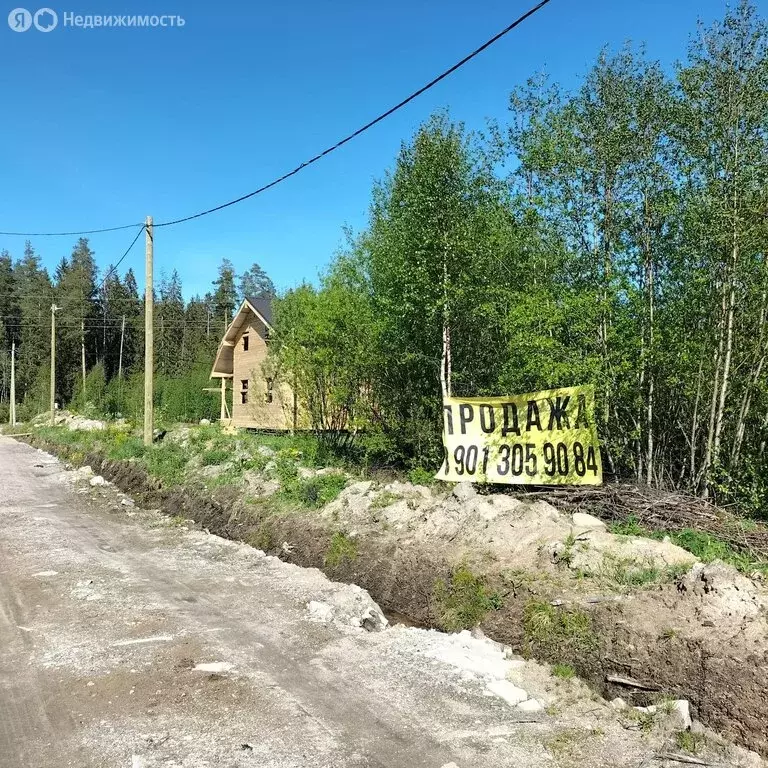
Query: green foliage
{"x":214,"y":456}
{"x":557,"y":633}
{"x":613,"y":234}
{"x":421,"y":476}
{"x":90,"y":396}
{"x":322,"y":349}
{"x":341,"y":549}
{"x":691,"y":742}
{"x":318,"y":491}
{"x":256,"y":283}
{"x":166,"y":462}
{"x":628,"y":527}
{"x":311,"y":492}
{"x":708,"y":548}
{"x":125,"y":446}
{"x":563,"y":671}
{"x":624,"y":250}
{"x":626,"y":572}
{"x":463,"y":602}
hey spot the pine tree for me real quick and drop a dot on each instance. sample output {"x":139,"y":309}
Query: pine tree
{"x":170,"y":342}
{"x":79,"y":318}
{"x":256,"y":283}
{"x":224,"y":296}
{"x":35,"y":293}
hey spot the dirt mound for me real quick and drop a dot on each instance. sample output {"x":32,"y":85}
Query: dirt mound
{"x":512,"y":533}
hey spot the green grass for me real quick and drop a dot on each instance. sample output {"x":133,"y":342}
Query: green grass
{"x":690,"y":742}
{"x":563,"y":671}
{"x":628,"y":527}
{"x":464,"y":601}
{"x":214,"y":456}
{"x":341,"y":549}
{"x":125,"y":447}
{"x":556,"y":632}
{"x":316,"y":492}
{"x":626,"y":572}
{"x":421,"y":476}
{"x":166,"y":462}
{"x":385,"y":499}
{"x":311,"y":492}
{"x":706,"y":546}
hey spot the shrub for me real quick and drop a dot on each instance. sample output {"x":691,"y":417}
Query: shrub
{"x":421,"y":476}
{"x":320,"y":490}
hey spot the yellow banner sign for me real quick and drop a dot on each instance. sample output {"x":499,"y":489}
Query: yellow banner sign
{"x":542,"y":438}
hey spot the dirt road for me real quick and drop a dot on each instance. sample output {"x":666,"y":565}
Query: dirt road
{"x":128,"y":639}
{"x":106,"y":611}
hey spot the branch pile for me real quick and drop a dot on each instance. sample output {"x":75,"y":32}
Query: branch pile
{"x":659,"y":510}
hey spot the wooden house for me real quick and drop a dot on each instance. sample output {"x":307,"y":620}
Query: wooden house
{"x":258,"y":402}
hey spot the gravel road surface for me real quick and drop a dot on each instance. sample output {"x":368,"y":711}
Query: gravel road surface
{"x":130,"y":639}
{"x":105,"y":611}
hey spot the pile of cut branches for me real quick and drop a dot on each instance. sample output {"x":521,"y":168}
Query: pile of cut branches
{"x":659,"y":510}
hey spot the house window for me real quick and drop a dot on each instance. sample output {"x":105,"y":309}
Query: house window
{"x":269,"y":395}
{"x":244,"y":391}
{"x":245,"y":343}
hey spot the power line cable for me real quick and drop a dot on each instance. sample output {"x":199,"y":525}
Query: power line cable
{"x":322,"y":154}
{"x":112,"y":269}
{"x":69,"y":234}
{"x":368,"y":125}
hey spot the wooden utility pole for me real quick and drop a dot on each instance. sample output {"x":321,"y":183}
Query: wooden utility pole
{"x":12,"y":419}
{"x":53,"y":364}
{"x":149,"y":336}
{"x":120,"y":363}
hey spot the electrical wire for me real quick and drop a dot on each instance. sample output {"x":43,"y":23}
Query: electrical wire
{"x":319,"y":156}
{"x":120,"y":260}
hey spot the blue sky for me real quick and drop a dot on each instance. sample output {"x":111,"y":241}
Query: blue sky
{"x":100,"y":127}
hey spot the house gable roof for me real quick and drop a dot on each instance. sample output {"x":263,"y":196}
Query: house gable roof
{"x":223,"y":365}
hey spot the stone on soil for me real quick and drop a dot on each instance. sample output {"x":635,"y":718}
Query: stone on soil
{"x":507,"y":691}
{"x":464,"y":491}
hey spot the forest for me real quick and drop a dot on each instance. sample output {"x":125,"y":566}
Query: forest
{"x":100,"y":336}
{"x":614,"y":234}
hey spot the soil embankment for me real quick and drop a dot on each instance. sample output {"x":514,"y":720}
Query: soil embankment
{"x":699,"y":636}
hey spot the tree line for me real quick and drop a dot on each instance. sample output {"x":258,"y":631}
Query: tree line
{"x":615,"y":234}
{"x":100,"y":335}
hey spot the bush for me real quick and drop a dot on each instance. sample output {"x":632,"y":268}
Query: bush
{"x":421,"y":476}
{"x":318,"y":491}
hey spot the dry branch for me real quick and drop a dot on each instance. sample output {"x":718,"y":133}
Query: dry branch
{"x":658,"y":510}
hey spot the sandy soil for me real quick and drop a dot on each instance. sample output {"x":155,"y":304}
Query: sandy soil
{"x":127,"y":639}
